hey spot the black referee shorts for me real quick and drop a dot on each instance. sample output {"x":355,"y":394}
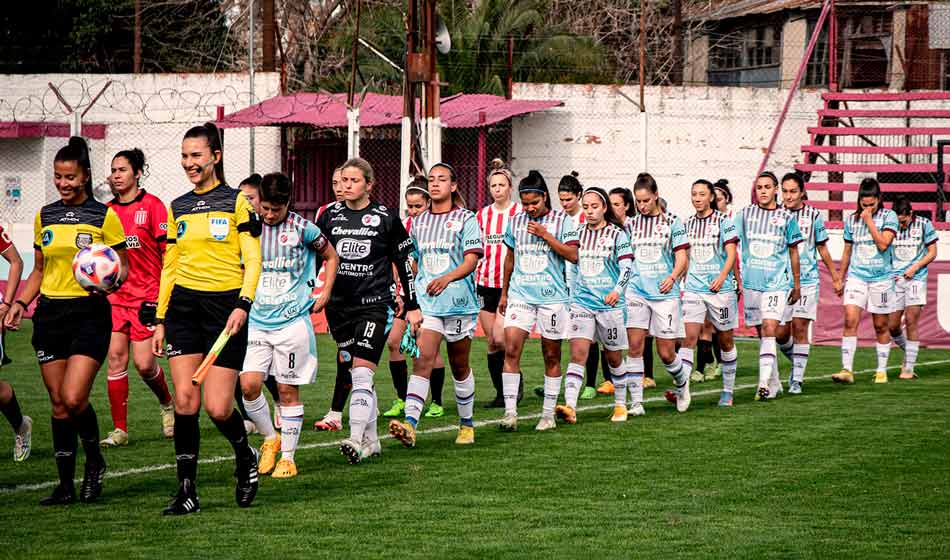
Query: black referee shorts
{"x":195,"y":319}
{"x":72,"y":326}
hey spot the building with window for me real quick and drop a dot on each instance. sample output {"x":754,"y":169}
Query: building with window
{"x":760,"y":43}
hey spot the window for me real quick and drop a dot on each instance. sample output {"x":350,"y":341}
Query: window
{"x":746,"y":48}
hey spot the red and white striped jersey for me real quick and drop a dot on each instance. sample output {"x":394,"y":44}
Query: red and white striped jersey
{"x":493,"y":224}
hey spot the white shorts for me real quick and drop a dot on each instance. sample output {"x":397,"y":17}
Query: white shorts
{"x":662,"y":317}
{"x":874,"y":297}
{"x":289,"y":354}
{"x":453,"y":328}
{"x":805,"y":308}
{"x":605,"y":327}
{"x":761,"y":306}
{"x":910,"y":292}
{"x":551,"y":320}
{"x":722,"y":309}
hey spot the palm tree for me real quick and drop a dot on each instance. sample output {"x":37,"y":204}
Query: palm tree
{"x":477,"y":63}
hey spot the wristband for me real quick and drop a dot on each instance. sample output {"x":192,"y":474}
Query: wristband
{"x":244,"y":304}
{"x":25,"y":305}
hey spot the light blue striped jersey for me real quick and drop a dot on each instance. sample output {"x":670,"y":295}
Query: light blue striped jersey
{"x":539,"y":274}
{"x":812,"y":227}
{"x":867,"y":263}
{"x":654,"y":241}
{"x":570,"y":268}
{"x":910,"y":245}
{"x":708,"y":238}
{"x":603,"y":264}
{"x":288,"y":272}
{"x":442,"y":241}
{"x":765,"y":236}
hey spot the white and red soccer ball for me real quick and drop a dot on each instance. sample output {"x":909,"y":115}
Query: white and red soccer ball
{"x":97,"y":267}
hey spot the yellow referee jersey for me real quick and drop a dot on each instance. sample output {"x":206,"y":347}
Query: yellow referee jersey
{"x":210,"y":234}
{"x":60,"y":231}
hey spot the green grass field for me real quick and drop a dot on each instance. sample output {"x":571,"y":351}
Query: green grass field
{"x":859,"y":471}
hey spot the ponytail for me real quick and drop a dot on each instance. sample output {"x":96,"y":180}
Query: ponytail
{"x":77,"y":150}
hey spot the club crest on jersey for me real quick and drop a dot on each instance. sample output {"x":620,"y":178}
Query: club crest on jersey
{"x":47,"y":237}
{"x":661,"y":228}
{"x":141,"y":217}
{"x":713,"y":229}
{"x":603,"y":241}
{"x":218,"y":228}
{"x":288,"y":238}
{"x":777,"y":221}
{"x":460,"y":301}
{"x":83,"y":240}
{"x":453,"y":225}
{"x":370,"y":220}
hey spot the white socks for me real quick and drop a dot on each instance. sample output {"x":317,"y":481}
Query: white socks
{"x":552,"y":388}
{"x":799,"y":361}
{"x":910,"y":354}
{"x":573,"y":382}
{"x":787,"y":348}
{"x":635,"y":380}
{"x":362,"y":401}
{"x":618,"y":376}
{"x":766,"y":359}
{"x":729,"y":365}
{"x":848,"y":345}
{"x":416,"y":394}
{"x":883,"y":351}
{"x":686,"y":358}
{"x":509,"y":390}
{"x":259,"y":412}
{"x":291,"y":421}
{"x":676,"y":369}
{"x":465,"y":398}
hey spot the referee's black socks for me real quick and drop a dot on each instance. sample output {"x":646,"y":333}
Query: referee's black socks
{"x":64,"y":447}
{"x":400,"y":374}
{"x":87,"y":426}
{"x":233,"y":429}
{"x":187,"y":437}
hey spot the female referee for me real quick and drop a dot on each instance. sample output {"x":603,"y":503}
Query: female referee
{"x":71,"y":327}
{"x":204,"y":291}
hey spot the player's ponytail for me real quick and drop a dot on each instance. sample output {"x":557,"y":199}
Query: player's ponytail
{"x":136,"y":159}
{"x":535,"y":182}
{"x":77,"y":150}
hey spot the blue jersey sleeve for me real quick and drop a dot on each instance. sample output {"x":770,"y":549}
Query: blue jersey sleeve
{"x":678,"y":238}
{"x":793,"y":234}
{"x":890,"y":223}
{"x":570,"y":233}
{"x":728,"y":233}
{"x":740,"y":228}
{"x":930,"y":234}
{"x":311,"y":233}
{"x":509,"y":236}
{"x":821,"y":234}
{"x":848,"y":238}
{"x":472,"y":237}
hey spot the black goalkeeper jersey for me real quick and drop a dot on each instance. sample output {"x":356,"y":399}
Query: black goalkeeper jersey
{"x":369,"y":242}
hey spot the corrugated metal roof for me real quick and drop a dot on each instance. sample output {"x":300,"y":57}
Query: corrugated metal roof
{"x":323,"y":110}
{"x":739,"y":8}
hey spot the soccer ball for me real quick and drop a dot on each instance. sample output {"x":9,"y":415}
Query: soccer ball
{"x":97,"y":268}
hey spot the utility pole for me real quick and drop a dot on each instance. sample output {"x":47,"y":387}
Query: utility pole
{"x":250,"y":70}
{"x":352,"y":106}
{"x":676,"y":76}
{"x":643,"y":108}
{"x":268,"y":58}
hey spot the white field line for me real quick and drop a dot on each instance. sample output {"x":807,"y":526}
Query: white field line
{"x":210,"y":460}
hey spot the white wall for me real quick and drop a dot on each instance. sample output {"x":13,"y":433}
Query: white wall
{"x":148,"y":111}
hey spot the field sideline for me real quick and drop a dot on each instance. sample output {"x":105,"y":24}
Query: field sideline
{"x":857,"y":471}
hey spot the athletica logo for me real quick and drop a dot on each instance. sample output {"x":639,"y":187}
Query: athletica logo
{"x":70,"y":217}
{"x":353,"y":249}
{"x":83,"y":240}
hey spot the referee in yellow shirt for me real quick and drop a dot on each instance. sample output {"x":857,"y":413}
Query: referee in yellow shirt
{"x":71,"y":327}
{"x":212,"y":230}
